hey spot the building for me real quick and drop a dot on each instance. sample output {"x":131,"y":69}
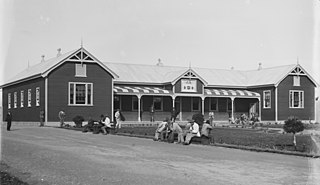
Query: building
{"x":80,"y":84}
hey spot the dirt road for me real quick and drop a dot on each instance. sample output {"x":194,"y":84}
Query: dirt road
{"x":58,"y":156}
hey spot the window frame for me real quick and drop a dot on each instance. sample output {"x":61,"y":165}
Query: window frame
{"x":29,"y":97}
{"x":161,"y":103}
{"x":77,"y":70}
{"x":22,"y":98}
{"x":37,"y":96}
{"x":264,"y":99}
{"x":199,"y":103}
{"x":292,"y":99}
{"x":74,"y":84}
{"x":15,"y":100}
{"x":296,"y":81}
{"x":210,"y":103}
{"x":9,"y":100}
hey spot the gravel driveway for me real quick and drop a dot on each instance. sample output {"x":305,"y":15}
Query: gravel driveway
{"x":57,"y":156}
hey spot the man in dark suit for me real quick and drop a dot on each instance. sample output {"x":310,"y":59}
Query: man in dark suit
{"x":9,"y":119}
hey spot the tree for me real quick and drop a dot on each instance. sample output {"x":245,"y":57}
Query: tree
{"x":293,"y":125}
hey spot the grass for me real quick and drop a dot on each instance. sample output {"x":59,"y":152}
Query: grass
{"x":244,"y":137}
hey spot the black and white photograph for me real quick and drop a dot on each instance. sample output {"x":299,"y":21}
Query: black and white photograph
{"x":150,"y":92}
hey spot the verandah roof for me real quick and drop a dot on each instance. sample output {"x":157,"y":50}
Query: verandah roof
{"x":229,"y":92}
{"x":122,"y":89}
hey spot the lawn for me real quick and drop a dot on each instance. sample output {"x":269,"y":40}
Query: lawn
{"x":244,"y":137}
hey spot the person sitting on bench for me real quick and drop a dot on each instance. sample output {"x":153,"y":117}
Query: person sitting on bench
{"x":161,"y":130}
{"x":205,"y":131}
{"x":193,"y":132}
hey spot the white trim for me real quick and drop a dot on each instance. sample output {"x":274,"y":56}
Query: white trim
{"x":291,"y":103}
{"x":9,"y":101}
{"x":38,"y":96}
{"x":112,"y":100}
{"x":86,"y":94}
{"x":22,"y":98}
{"x":276,"y":103}
{"x":46,"y":100}
{"x":264,"y":97}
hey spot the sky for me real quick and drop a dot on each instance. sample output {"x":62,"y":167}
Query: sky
{"x":202,"y":33}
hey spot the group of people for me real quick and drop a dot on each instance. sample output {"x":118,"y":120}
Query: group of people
{"x":167,"y":128}
{"x":104,"y":124}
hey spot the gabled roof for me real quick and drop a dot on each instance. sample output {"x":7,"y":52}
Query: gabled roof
{"x":42,"y":69}
{"x":153,"y":74}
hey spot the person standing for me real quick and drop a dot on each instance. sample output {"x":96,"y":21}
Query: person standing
{"x":9,"y":120}
{"x":193,"y":132}
{"x":118,"y":116}
{"x":211,"y":117}
{"x":152,"y":113}
{"x":62,"y":116}
{"x":41,"y":118}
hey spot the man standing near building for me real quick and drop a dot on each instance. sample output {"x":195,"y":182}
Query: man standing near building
{"x":9,"y":119}
{"x":41,"y":118}
{"x":62,"y":116}
{"x":152,"y":113}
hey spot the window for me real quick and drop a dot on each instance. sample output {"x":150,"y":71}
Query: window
{"x":296,"y":80}
{"x":81,"y":70}
{"x":195,"y":104}
{"x":117,"y":102}
{"x":157,"y":103}
{"x":296,"y":99}
{"x":21,"y":98}
{"x":38,"y":96}
{"x":80,"y":93}
{"x":29,"y":97}
{"x":9,"y":100}
{"x":15,"y":99}
{"x":229,"y":104}
{"x":213,"y":104}
{"x":134,"y":103}
{"x":267,"y":99}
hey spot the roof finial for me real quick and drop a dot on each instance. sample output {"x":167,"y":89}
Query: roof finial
{"x":42,"y":58}
{"x":81,"y":43}
{"x":189,"y":65}
{"x":159,"y":62}
{"x":297,"y":59}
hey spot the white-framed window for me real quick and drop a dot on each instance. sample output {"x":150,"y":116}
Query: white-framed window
{"x":296,"y":99}
{"x":213,"y":104}
{"x":296,"y":80}
{"x":21,"y":98}
{"x":38,"y":96}
{"x":267,"y":99}
{"x":81,"y":70}
{"x":80,"y":93}
{"x":195,"y":104}
{"x":29,"y":97}
{"x":134,"y":103}
{"x":9,"y":100}
{"x":157,"y":103}
{"x":15,"y":99}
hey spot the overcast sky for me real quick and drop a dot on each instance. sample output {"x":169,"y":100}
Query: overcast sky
{"x":204,"y":33}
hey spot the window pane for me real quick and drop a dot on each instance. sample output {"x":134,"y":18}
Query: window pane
{"x":214,"y":104}
{"x":80,"y":94}
{"x":38,"y":96}
{"x":89,"y":93}
{"x":296,"y":99}
{"x":157,"y":101}
{"x":71,"y":95}
{"x":195,"y":104}
{"x":22,"y":98}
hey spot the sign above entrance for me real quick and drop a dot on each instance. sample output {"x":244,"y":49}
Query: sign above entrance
{"x":188,"y":85}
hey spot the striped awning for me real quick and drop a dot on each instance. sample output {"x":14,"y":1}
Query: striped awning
{"x":122,"y":89}
{"x":229,"y":92}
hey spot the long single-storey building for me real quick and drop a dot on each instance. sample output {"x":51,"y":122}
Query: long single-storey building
{"x":79,"y":84}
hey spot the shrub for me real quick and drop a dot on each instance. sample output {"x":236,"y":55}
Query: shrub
{"x":293,"y":125}
{"x":78,"y":121}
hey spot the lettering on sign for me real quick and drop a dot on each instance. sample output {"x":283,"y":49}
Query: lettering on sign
{"x":188,"y":85}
